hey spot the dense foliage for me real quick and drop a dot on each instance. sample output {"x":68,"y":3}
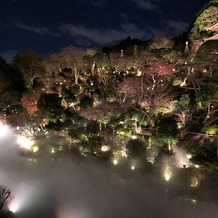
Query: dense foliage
{"x":134,"y":100}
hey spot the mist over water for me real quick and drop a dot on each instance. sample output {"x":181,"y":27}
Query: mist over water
{"x":85,"y":187}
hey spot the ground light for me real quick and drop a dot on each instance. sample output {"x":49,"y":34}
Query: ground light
{"x":4,"y":130}
{"x":115,"y":161}
{"x":167,"y":173}
{"x":24,"y":142}
{"x":13,"y":207}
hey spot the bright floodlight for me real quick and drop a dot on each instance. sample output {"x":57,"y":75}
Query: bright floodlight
{"x":4,"y":130}
{"x":25,"y":142}
{"x":134,"y":137}
{"x":105,"y":148}
{"x":189,"y":156}
{"x":13,"y":207}
{"x":115,"y":161}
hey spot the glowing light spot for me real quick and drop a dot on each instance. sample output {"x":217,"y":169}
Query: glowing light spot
{"x":35,"y":148}
{"x":167,"y":173}
{"x":4,"y":130}
{"x":123,"y":152}
{"x":134,"y":137}
{"x":25,"y":143}
{"x":52,"y":150}
{"x":115,"y":161}
{"x":105,"y":148}
{"x":13,"y":207}
{"x":132,"y":167}
{"x":197,"y":166}
{"x":189,"y":156}
{"x":194,"y":183}
{"x":32,"y":160}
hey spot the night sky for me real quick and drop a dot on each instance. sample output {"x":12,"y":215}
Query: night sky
{"x":46,"y":26}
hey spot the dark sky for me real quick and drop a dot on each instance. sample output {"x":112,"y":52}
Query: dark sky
{"x":47,"y":26}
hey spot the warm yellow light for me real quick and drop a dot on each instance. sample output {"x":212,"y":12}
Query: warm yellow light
{"x":105,"y":148}
{"x":194,"y":183}
{"x":25,"y":143}
{"x":134,"y":137}
{"x":35,"y":148}
{"x":167,"y":173}
{"x":197,"y":166}
{"x":132,"y":167}
{"x":189,"y":156}
{"x":115,"y":161}
{"x":52,"y":150}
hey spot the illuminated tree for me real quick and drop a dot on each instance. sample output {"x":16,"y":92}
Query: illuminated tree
{"x":125,"y":64}
{"x":159,"y":67}
{"x":210,"y":48}
{"x":167,"y":130}
{"x":5,"y":197}
{"x":97,"y":56}
{"x":152,"y":93}
{"x":4,"y":93}
{"x":71,"y":58}
{"x":183,"y":111}
{"x":29,"y":101}
{"x":160,"y":40}
{"x":32,"y":66}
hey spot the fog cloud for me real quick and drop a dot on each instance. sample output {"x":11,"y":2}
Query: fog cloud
{"x":84,"y":187}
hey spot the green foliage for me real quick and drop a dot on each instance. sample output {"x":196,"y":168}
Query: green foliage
{"x":167,"y":130}
{"x":167,"y":126}
{"x":205,"y":153}
{"x":206,"y":17}
{"x":68,"y":95}
{"x":205,"y":94}
{"x":139,"y":117}
{"x":168,"y":54}
{"x":210,"y":48}
{"x":136,"y":149}
{"x":184,"y":101}
{"x":211,"y":129}
{"x":97,"y":56}
{"x":50,"y":106}
{"x":126,"y":132}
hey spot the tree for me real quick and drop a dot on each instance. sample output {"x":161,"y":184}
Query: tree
{"x":50,"y":107}
{"x":5,"y":197}
{"x":29,"y":101}
{"x":159,"y":67}
{"x":206,"y":17}
{"x":4,"y":93}
{"x":159,"y":41}
{"x":32,"y":66}
{"x":70,"y":57}
{"x":152,"y":93}
{"x":136,"y":149}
